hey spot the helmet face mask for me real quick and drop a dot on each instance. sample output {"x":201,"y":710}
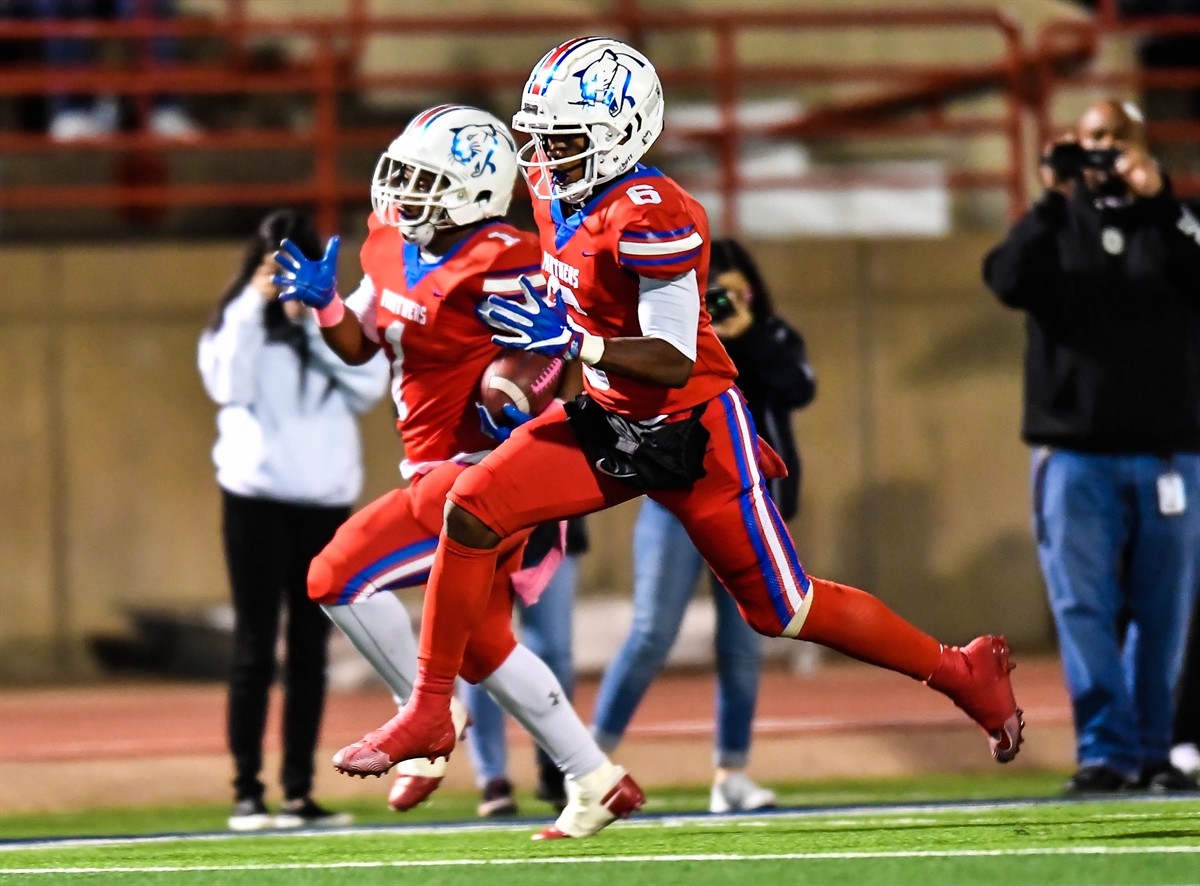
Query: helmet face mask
{"x":557,"y":179}
{"x":452,"y":166}
{"x":597,"y":88}
{"x":411,"y":198}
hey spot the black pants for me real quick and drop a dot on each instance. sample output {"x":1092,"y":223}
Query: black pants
{"x":268,"y":546}
{"x":1187,"y":706}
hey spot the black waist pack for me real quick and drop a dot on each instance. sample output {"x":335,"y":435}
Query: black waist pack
{"x":662,"y":455}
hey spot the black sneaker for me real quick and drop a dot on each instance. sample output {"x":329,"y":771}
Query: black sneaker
{"x":1095,"y":780}
{"x":304,"y":813}
{"x":497,"y":799}
{"x":250,"y":814}
{"x":1163,"y":778}
{"x":552,"y":786}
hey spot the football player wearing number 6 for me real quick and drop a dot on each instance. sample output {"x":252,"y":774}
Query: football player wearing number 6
{"x":625,"y":256}
{"x":438,"y":246}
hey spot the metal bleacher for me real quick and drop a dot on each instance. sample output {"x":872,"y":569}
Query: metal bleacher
{"x":1007,"y":93}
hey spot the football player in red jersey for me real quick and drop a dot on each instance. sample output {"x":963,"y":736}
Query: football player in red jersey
{"x":625,"y":256}
{"x":437,"y":248}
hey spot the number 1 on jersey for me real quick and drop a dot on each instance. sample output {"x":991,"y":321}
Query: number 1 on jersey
{"x":392,"y":334}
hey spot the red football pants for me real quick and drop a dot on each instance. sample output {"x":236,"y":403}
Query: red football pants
{"x":390,"y":544}
{"x":541,"y":474}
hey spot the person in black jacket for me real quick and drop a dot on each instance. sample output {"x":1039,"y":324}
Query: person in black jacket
{"x":774,"y":376}
{"x":1106,"y":267}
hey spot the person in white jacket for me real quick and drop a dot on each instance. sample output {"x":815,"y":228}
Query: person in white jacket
{"x":289,"y":464}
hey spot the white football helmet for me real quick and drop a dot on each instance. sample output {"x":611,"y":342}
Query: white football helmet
{"x":596,"y":87}
{"x":471,"y":164}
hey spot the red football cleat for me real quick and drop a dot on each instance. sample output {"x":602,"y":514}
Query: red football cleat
{"x":410,"y":791}
{"x":423,"y":729}
{"x":975,"y":677}
{"x":594,"y":802}
{"x":418,"y":778}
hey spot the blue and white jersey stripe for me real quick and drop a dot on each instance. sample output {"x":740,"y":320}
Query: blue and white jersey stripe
{"x":509,"y":282}
{"x":641,"y":246}
{"x":406,"y":567}
{"x":786,"y":581}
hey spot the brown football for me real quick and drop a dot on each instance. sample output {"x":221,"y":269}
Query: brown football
{"x":528,"y":381}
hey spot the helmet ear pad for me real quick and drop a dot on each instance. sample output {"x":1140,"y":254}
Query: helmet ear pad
{"x":486,"y":205}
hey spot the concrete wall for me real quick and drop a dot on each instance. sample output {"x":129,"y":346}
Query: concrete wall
{"x":915,"y":480}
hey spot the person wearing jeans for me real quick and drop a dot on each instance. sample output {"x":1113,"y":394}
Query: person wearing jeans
{"x":1086,"y":507}
{"x":775,"y":377}
{"x":1185,"y":754}
{"x":546,"y":628}
{"x":1106,"y":268}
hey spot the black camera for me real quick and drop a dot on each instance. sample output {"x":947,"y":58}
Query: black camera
{"x":1069,"y":160}
{"x":718,"y":303}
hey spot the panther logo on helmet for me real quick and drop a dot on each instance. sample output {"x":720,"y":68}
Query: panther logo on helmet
{"x":605,"y":82}
{"x":475,"y":146}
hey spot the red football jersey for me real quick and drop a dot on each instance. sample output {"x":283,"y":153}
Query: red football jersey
{"x":645,"y":225}
{"x":423,"y":314}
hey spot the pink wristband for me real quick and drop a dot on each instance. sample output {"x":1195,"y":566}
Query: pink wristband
{"x":332,"y":313}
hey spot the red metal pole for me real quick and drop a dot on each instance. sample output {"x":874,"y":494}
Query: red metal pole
{"x":1107,"y":14}
{"x":236,"y":13}
{"x":1015,"y":120}
{"x":727,"y":93}
{"x":325,"y":137}
{"x":629,"y":15}
{"x":145,"y":61}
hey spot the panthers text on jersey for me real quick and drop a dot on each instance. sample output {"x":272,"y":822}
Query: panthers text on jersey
{"x":643,"y":225}
{"x":423,"y":314}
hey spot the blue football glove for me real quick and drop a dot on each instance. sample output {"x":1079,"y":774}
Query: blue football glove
{"x":501,"y":430}
{"x":312,"y":283}
{"x":531,"y":323}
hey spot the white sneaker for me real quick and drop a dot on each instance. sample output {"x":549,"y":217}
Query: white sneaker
{"x":250,"y":815}
{"x":78,"y":125}
{"x":171,"y":122}
{"x":1186,"y":758}
{"x":737,"y":793}
{"x":594,"y":802}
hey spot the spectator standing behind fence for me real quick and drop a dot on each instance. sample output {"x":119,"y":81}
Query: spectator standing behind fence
{"x":289,"y":464}
{"x":75,"y":117}
{"x":1185,"y":755}
{"x":774,"y":376}
{"x":1106,"y":267}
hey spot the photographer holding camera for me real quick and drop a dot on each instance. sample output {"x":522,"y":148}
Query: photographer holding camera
{"x":1106,"y":267}
{"x":774,"y":376}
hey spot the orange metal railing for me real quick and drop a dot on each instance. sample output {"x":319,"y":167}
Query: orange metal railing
{"x":894,"y":100}
{"x":330,"y":71}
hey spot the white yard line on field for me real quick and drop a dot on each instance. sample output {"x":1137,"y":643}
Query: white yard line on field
{"x":835,"y":815}
{"x":623,"y":859}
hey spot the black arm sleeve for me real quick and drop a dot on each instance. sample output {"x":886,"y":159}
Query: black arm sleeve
{"x":1181,"y":233}
{"x":1023,"y":270}
{"x":776,"y":355}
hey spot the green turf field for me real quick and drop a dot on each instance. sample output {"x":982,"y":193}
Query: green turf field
{"x":444,"y":806}
{"x":1133,"y":842}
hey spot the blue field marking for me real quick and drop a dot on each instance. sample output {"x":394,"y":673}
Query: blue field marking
{"x":652,"y":819}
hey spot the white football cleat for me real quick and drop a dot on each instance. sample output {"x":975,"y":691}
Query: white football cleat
{"x":1186,"y":758}
{"x":594,"y":802}
{"x":737,"y":793}
{"x":418,"y":778}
